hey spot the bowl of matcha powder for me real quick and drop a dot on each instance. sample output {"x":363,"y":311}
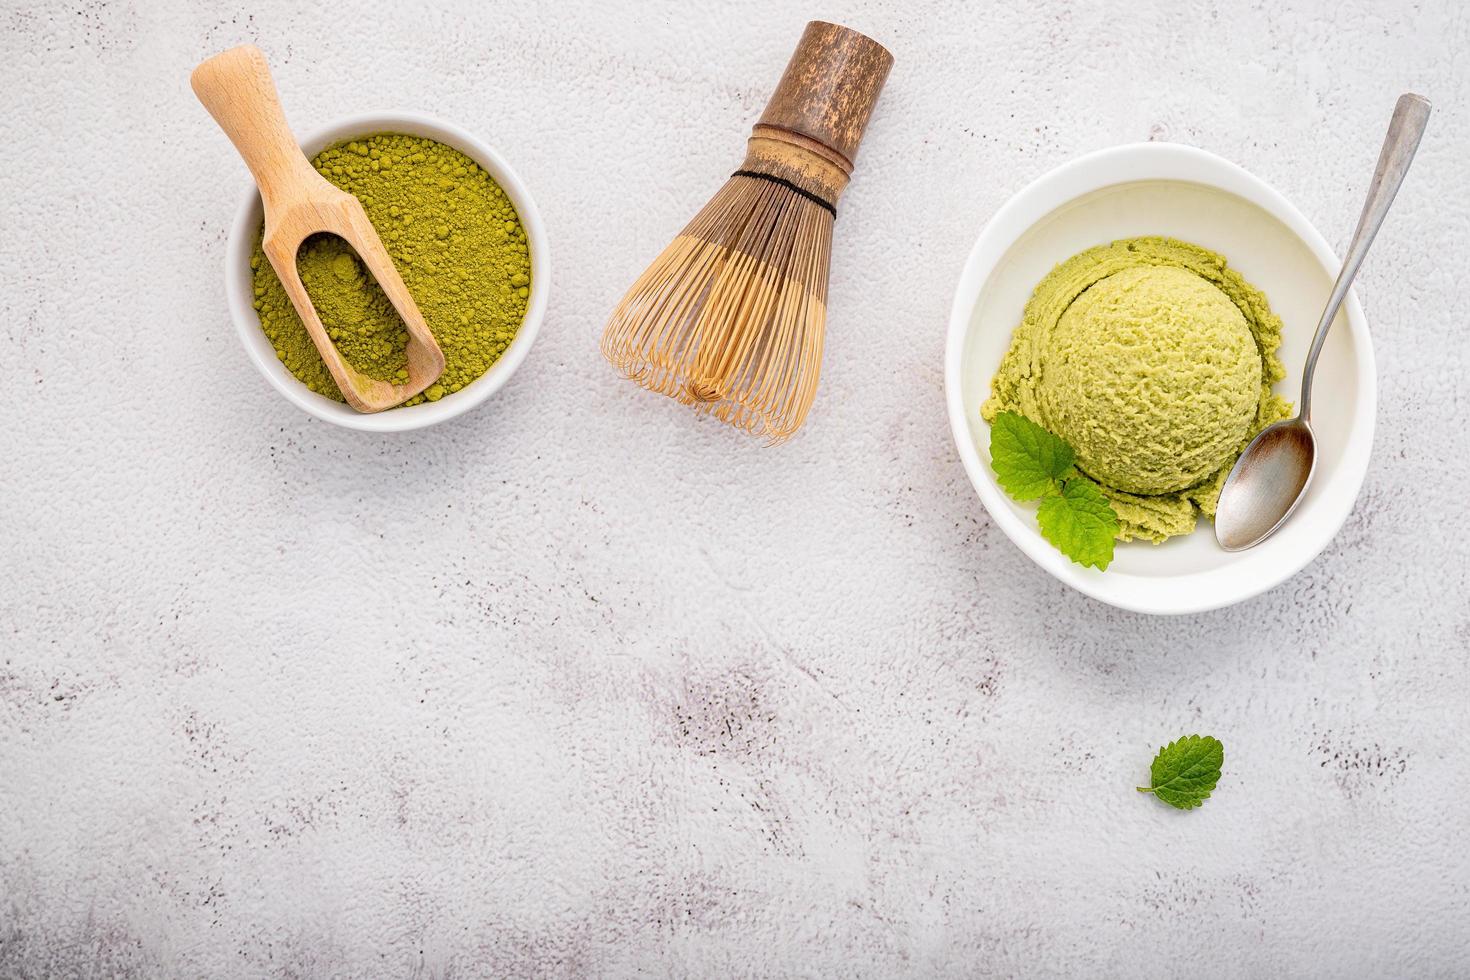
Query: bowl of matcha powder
{"x":463,"y":233}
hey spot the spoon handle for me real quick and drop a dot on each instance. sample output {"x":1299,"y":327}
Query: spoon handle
{"x":236,"y":87}
{"x":1404,"y":131}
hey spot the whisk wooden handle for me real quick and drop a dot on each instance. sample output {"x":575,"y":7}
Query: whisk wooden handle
{"x":830,"y":87}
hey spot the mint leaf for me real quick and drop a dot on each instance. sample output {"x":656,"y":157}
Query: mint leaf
{"x":1080,"y":523}
{"x":1028,"y":461}
{"x":1185,"y":772}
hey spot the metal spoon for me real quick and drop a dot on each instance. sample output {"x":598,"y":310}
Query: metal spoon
{"x":1271,"y":477}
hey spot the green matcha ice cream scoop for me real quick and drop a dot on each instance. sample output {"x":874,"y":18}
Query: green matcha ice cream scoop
{"x":1154,"y":360}
{"x":1153,"y":377}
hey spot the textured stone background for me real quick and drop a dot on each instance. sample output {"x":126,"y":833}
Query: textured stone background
{"x":577,"y":685}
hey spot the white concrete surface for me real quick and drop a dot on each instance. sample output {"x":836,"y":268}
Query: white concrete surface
{"x":579,"y":686}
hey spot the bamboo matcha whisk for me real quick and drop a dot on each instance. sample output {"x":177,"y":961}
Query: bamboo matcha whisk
{"x":730,"y":317}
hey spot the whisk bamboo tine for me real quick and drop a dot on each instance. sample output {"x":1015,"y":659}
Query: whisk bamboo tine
{"x":731,"y":316}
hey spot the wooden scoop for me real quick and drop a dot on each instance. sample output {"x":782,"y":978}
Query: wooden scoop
{"x":236,"y":87}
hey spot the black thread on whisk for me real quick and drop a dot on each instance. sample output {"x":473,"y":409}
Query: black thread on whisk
{"x":790,"y":187}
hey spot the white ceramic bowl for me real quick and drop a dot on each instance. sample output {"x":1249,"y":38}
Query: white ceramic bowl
{"x":240,"y":290}
{"x":1185,"y":193}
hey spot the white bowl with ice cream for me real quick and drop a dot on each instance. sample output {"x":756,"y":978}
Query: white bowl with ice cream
{"x":1165,"y":189}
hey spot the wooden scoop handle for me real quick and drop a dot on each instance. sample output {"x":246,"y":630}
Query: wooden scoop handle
{"x":236,"y":87}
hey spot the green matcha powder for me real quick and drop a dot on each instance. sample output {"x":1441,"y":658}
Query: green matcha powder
{"x":456,"y":241}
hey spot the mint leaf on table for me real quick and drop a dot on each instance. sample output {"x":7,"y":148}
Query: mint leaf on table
{"x":1028,"y":461}
{"x":1185,"y":771}
{"x":1080,"y":523}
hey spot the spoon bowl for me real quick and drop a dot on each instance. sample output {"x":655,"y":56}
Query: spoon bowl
{"x":1265,"y":485}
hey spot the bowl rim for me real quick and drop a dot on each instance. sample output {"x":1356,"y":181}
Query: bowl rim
{"x":239,"y":289}
{"x":1246,"y":575}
